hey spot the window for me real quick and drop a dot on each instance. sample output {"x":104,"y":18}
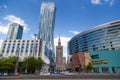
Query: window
{"x":21,"y":50}
{"x":2,"y":51}
{"x":7,"y":51}
{"x":96,"y":56}
{"x":31,"y":50}
{"x":26,"y":51}
{"x":12,"y":51}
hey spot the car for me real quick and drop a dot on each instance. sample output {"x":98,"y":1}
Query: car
{"x":16,"y":74}
{"x":1,"y":74}
{"x":11,"y":74}
{"x":5,"y":74}
{"x":69,"y":74}
{"x":44,"y":73}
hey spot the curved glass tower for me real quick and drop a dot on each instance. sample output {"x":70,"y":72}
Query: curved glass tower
{"x":46,"y":27}
{"x":102,"y":37}
{"x":103,"y":45}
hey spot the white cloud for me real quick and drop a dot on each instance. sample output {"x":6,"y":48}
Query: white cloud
{"x":0,"y":22}
{"x":74,"y":32}
{"x":64,"y":42}
{"x":32,"y":36}
{"x":14,"y":19}
{"x":0,"y":43}
{"x":106,"y":0}
{"x":111,"y":2}
{"x":96,"y":2}
{"x":5,"y":6}
{"x":3,"y":29}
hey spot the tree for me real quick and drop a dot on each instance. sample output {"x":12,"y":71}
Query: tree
{"x":39,"y":65}
{"x":31,"y":64}
{"x":7,"y":64}
{"x":89,"y":67}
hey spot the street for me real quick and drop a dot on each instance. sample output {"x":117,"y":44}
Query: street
{"x":61,"y":77}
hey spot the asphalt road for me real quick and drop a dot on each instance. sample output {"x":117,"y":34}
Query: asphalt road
{"x":61,"y":77}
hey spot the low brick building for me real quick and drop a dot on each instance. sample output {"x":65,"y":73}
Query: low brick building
{"x":80,"y":59}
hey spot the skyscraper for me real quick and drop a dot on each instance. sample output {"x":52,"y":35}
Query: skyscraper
{"x":103,"y":44}
{"x":59,"y":56}
{"x":46,"y":27}
{"x":15,"y":31}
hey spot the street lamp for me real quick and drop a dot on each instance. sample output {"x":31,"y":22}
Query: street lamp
{"x":34,"y":47}
{"x":17,"y":62}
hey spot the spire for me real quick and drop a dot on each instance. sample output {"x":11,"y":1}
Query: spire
{"x":59,"y":41}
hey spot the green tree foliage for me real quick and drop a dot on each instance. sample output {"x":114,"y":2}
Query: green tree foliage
{"x":89,"y":67}
{"x":7,"y":64}
{"x":31,"y":64}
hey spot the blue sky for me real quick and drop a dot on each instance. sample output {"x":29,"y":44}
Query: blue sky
{"x":72,"y":16}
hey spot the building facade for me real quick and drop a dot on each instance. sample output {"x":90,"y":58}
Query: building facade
{"x":46,"y":27}
{"x":105,"y":37}
{"x":15,"y":31}
{"x":59,"y":56}
{"x":25,"y":48}
{"x":79,"y":61}
{"x":64,"y":63}
{"x":106,"y":61}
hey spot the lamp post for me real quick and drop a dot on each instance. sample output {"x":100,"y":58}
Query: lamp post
{"x":34,"y":47}
{"x":17,"y":62}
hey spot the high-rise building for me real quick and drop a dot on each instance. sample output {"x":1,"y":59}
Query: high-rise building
{"x":102,"y":37}
{"x":15,"y":31}
{"x":46,"y":27}
{"x":59,"y":56}
{"x":103,"y":44}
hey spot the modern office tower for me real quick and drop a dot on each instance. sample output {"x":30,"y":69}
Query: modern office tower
{"x":15,"y":31}
{"x":103,"y":44}
{"x":46,"y":27}
{"x":59,"y":56}
{"x":25,"y":48}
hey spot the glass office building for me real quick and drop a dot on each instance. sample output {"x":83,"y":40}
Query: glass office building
{"x":46,"y":27}
{"x":15,"y":31}
{"x":106,"y":38}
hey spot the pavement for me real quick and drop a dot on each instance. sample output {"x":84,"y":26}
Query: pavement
{"x":62,"y":77}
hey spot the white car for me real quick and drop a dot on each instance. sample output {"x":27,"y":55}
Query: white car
{"x":5,"y":74}
{"x":44,"y":73}
{"x":69,"y":74}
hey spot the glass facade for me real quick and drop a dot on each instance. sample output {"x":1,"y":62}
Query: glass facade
{"x":103,"y":45}
{"x":102,"y":37}
{"x":46,"y":26}
{"x":15,"y":31}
